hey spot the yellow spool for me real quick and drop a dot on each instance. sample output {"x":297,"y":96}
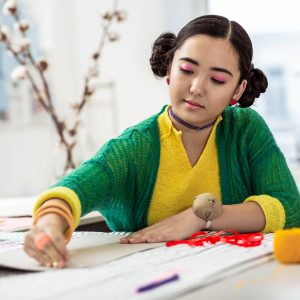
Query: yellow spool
{"x":287,"y":245}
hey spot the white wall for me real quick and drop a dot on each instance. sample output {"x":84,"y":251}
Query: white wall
{"x":73,"y":37}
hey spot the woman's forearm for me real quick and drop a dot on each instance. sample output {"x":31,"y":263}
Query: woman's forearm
{"x":244,"y":217}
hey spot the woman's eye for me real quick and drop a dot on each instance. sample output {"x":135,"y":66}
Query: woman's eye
{"x":186,"y":71}
{"x":217,"y":81}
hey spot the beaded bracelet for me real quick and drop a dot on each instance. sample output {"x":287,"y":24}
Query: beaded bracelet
{"x":59,"y":210}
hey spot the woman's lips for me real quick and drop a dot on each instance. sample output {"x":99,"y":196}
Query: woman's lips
{"x":194,"y":104}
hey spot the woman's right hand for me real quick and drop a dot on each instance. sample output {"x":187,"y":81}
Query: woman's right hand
{"x":45,"y":241}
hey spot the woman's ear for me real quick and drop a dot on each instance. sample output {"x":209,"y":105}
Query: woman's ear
{"x":240,"y":90}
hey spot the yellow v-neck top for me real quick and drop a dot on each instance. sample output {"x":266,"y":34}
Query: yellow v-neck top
{"x":178,"y":182}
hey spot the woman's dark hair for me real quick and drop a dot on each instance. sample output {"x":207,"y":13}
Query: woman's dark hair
{"x":219,"y":27}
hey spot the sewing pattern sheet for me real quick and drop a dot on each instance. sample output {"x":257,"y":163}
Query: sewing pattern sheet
{"x":88,"y":251}
{"x":119,"y":279}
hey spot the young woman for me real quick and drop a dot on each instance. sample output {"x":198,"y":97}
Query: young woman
{"x":206,"y":140}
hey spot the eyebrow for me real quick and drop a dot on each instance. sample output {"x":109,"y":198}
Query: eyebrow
{"x":194,"y":62}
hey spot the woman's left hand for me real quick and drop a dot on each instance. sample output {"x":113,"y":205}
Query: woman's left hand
{"x":177,"y":227}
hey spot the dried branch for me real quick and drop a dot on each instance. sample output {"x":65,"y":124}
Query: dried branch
{"x":34,"y":71}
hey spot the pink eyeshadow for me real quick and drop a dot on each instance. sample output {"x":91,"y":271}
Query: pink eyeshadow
{"x":186,"y":67}
{"x":219,"y":78}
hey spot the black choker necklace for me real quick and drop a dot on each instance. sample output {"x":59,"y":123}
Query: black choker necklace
{"x":188,"y":125}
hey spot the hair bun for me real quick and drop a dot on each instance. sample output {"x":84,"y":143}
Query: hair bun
{"x":259,"y":79}
{"x":159,"y":59}
{"x":257,"y":83}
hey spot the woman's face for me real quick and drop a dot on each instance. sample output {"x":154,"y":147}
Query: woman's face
{"x":204,"y":77}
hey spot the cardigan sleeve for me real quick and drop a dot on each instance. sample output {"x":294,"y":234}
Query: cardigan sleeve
{"x":65,"y":194}
{"x":97,"y":184}
{"x":264,"y":170}
{"x":118,"y":181}
{"x":271,"y":176}
{"x":273,"y":211}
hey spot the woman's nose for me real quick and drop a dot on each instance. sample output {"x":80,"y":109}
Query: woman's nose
{"x":197,"y":87}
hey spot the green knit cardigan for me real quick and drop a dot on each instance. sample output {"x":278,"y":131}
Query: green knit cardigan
{"x":119,"y":180}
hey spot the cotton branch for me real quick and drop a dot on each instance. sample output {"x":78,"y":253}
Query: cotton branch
{"x":34,"y":71}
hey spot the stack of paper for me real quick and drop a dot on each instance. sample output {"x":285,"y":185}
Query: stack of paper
{"x":120,"y":277}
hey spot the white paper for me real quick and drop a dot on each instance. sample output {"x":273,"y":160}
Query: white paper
{"x":119,"y":279}
{"x":86,"y":251}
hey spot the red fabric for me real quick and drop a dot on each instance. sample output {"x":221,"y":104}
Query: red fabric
{"x":238,"y":239}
